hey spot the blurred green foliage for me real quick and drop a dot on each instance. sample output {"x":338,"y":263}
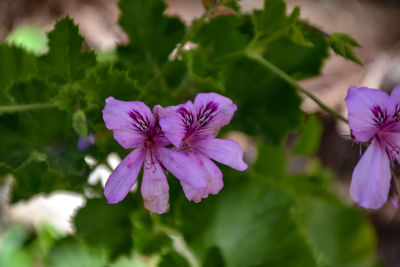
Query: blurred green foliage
{"x":263,"y":217}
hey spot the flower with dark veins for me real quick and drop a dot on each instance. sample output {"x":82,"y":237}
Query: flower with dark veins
{"x":192,"y":128}
{"x":135,"y":126}
{"x":374,"y":117}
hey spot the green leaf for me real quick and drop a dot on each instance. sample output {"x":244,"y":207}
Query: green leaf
{"x":204,"y":76}
{"x":214,"y":258}
{"x":310,"y":137}
{"x":271,"y":22}
{"x":266,"y":105}
{"x":146,"y":240}
{"x":153,"y":36}
{"x":11,"y":249}
{"x":346,"y":38}
{"x":339,"y":235}
{"x":223,"y":35}
{"x":106,"y":81}
{"x":343,"y":45}
{"x":271,"y":161}
{"x":69,"y":252}
{"x":295,"y":32}
{"x":15,"y":65}
{"x":66,"y":61}
{"x":250,"y":222}
{"x":34,"y":176}
{"x":298,"y":60}
{"x":147,"y":28}
{"x":42,"y":130}
{"x":173,"y":259}
{"x":79,"y":123}
{"x":112,"y":228}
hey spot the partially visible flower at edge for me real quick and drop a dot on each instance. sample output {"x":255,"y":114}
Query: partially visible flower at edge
{"x":192,"y":128}
{"x":374,"y":116}
{"x":135,"y":126}
{"x":84,"y":144}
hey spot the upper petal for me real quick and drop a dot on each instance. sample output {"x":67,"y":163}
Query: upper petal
{"x":183,"y":167}
{"x":370,"y":182}
{"x":224,"y":151}
{"x":214,"y":177}
{"x":154,"y":186}
{"x":124,"y":176}
{"x":130,"y":121}
{"x":395,"y":95}
{"x":175,"y":121}
{"x":213,"y":112}
{"x":363,"y":104}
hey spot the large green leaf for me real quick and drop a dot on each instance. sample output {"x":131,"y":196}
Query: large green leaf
{"x":251,"y":223}
{"x":271,"y":22}
{"x":15,"y":65}
{"x":107,"y":226}
{"x":266,"y":105}
{"x":339,"y":235}
{"x":66,"y":61}
{"x":223,"y":35}
{"x":153,"y":37}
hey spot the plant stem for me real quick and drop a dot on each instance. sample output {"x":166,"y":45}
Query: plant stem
{"x":293,"y":83}
{"x":27,"y":107}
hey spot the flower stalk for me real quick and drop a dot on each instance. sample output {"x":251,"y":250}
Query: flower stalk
{"x":26,"y":107}
{"x":293,"y":82}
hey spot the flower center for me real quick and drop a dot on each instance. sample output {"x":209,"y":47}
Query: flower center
{"x":380,"y":115}
{"x":141,"y":124}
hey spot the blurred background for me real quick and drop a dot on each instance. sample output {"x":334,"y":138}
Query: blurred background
{"x":373,"y":23}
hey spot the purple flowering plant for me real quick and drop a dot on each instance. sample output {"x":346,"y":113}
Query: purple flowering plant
{"x":62,"y":118}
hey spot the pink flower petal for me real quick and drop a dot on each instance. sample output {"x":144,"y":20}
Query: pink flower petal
{"x":395,"y":95}
{"x":360,"y":103}
{"x":371,"y":178}
{"x":183,"y":167}
{"x":129,"y":121}
{"x":214,"y":175}
{"x":213,"y":112}
{"x":124,"y":176}
{"x":175,"y":121}
{"x":154,"y":186}
{"x":224,"y":151}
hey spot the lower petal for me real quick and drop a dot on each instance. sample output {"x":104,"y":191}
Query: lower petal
{"x":224,"y":151}
{"x":215,"y":182}
{"x":154,"y":186}
{"x":183,"y":167}
{"x":124,"y":176}
{"x":371,"y":178}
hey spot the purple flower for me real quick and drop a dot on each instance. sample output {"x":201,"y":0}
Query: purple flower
{"x":135,"y":126}
{"x":84,"y":144}
{"x":192,"y":128}
{"x":374,"y":117}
